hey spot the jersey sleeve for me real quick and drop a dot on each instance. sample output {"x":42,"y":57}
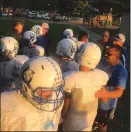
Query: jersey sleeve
{"x":73,"y":66}
{"x":16,"y":69}
{"x":100,"y":77}
{"x":105,"y":78}
{"x":121,"y":79}
{"x":70,"y":81}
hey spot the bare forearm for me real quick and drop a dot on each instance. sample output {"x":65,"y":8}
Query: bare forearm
{"x":115,"y":94}
{"x":65,"y":107}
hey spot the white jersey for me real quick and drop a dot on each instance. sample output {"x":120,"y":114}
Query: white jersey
{"x":31,"y":52}
{"x":66,"y":65}
{"x":9,"y":71}
{"x":83,"y":107}
{"x":17,"y":114}
{"x":21,"y":58}
{"x":41,"y":50}
{"x":79,"y":43}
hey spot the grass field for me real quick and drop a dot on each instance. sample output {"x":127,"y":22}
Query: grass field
{"x":55,"y":32}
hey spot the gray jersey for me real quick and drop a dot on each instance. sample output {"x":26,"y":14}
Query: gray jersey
{"x":31,"y":52}
{"x":9,"y":71}
{"x":66,"y":65}
{"x":21,"y":58}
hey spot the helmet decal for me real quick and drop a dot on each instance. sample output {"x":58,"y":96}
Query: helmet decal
{"x":27,"y":75}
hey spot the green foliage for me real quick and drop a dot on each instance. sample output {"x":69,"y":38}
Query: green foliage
{"x":80,"y":6}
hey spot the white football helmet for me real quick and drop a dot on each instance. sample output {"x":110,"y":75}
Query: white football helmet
{"x":66,"y":48}
{"x":37,"y":30}
{"x":68,"y":33}
{"x":30,"y":36}
{"x":89,"y":54}
{"x":8,"y":48}
{"x":42,"y":83}
{"x":74,"y":39}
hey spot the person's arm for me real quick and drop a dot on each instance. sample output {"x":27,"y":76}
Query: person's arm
{"x":69,"y":84}
{"x":103,"y":93}
{"x":66,"y":104}
{"x":120,"y":85}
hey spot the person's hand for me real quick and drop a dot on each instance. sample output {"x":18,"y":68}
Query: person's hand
{"x":105,"y":100}
{"x":102,"y":93}
{"x":61,"y":120}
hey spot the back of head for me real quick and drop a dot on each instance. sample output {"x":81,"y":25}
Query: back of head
{"x":37,"y":30}
{"x":66,"y":48}
{"x":122,"y":37}
{"x":68,"y":33}
{"x":45,"y":25}
{"x":8,"y":48}
{"x":83,"y":34}
{"x":45,"y":93}
{"x":119,"y":39}
{"x":18,"y":23}
{"x":89,"y":55}
{"x":30,"y":37}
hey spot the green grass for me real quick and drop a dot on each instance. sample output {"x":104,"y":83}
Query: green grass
{"x":55,"y":31}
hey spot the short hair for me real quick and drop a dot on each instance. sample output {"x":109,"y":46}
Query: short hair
{"x":118,"y":48}
{"x":82,"y":34}
{"x":17,"y":23}
{"x":107,"y":32}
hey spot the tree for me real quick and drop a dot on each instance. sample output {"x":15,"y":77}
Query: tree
{"x":80,"y":6}
{"x":105,"y":5}
{"x":72,"y":6}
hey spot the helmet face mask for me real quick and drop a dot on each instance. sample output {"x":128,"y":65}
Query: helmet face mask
{"x":44,"y":93}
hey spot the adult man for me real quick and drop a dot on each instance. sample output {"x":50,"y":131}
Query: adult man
{"x":119,"y":39}
{"x":43,"y":38}
{"x":10,"y":63}
{"x":17,"y":31}
{"x":80,"y":87}
{"x":65,"y":51}
{"x":37,"y":106}
{"x":102,"y":43}
{"x":32,"y":49}
{"x":83,"y":37}
{"x":115,"y":86}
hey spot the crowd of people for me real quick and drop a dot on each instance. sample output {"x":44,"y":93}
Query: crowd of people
{"x":71,"y":91}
